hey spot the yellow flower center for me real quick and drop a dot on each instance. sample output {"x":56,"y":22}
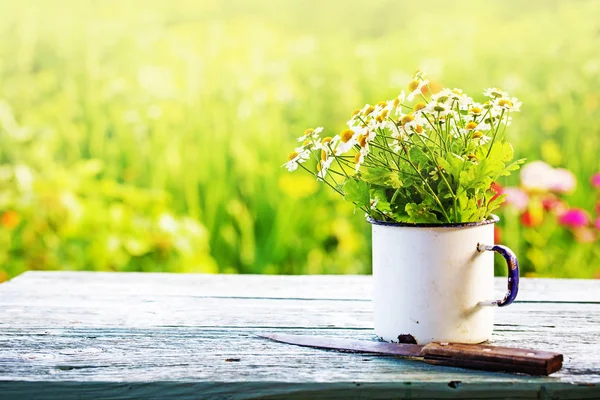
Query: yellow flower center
{"x":319,"y":166}
{"x":419,"y":129}
{"x":382,"y":104}
{"x":413,"y":85}
{"x":357,"y":158}
{"x":457,"y":91}
{"x":326,"y":140}
{"x":305,"y":143}
{"x":323,"y":155}
{"x":384,"y":114}
{"x":407,"y":118}
{"x":346,"y":135}
{"x":505,"y":102}
{"x":292,"y":155}
{"x":362,"y":140}
{"x":471,"y":125}
{"x":419,"y":106}
{"x":379,"y":119}
{"x":477,"y":134}
{"x":396,"y":102}
{"x":369,"y":110}
{"x":355,"y":112}
{"x":308,"y":132}
{"x":475,"y":110}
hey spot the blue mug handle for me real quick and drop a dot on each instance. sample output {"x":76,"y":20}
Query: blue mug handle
{"x":513,"y":273}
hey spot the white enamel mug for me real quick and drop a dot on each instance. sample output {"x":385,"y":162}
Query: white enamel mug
{"x":434,"y":283}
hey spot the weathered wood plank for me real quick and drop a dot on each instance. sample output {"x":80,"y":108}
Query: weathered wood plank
{"x":89,"y":311}
{"x":234,"y":355}
{"x":88,"y":337}
{"x":287,"y":390}
{"x":342,"y":287}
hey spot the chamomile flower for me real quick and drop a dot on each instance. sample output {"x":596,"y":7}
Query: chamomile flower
{"x":494,"y":93}
{"x":412,"y":122}
{"x":443,"y":96}
{"x":345,"y":141}
{"x":438,"y":109}
{"x":416,"y":86}
{"x":481,"y":137}
{"x":295,"y":158}
{"x":359,"y":159}
{"x":397,"y":103}
{"x":508,"y":104}
{"x":310,"y":134}
{"x":323,"y":167}
{"x":326,"y":143}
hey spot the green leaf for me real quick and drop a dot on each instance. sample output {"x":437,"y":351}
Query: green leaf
{"x":508,"y":151}
{"x":357,"y":192}
{"x":418,"y":213}
{"x":380,"y":194}
{"x":494,"y":204}
{"x":381,"y":177}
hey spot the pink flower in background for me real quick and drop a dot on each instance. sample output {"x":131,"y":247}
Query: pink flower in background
{"x":541,"y":177}
{"x":574,"y":218}
{"x":537,"y":175}
{"x":597,"y":224}
{"x":598,"y":208}
{"x":562,"y":181}
{"x":596,"y":180}
{"x":516,"y":197}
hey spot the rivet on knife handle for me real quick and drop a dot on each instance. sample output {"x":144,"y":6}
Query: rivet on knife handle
{"x":492,"y":358}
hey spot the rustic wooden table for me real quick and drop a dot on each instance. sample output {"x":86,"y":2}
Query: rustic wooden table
{"x":106,"y":335}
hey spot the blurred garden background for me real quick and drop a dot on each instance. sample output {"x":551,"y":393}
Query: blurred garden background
{"x":149,"y":135}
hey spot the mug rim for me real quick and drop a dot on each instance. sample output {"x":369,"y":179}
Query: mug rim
{"x":492,"y":220}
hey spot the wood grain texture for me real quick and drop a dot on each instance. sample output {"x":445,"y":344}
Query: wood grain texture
{"x":101,"y":335}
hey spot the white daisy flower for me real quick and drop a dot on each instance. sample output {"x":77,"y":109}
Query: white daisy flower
{"x":359,"y":159}
{"x":347,"y":139}
{"x":364,"y":139}
{"x":416,"y":87}
{"x":324,"y":167}
{"x":327,"y":143}
{"x":310,"y":134}
{"x":396,"y":104}
{"x":494,"y":93}
{"x":296,"y":158}
{"x":484,"y":139}
{"x":413,"y":125}
{"x":434,"y":108}
{"x":509,"y":104}
{"x":443,"y":96}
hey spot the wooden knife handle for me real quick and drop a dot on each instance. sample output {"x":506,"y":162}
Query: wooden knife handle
{"x":492,"y":358}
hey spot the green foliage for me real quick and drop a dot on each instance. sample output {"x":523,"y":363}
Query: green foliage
{"x":442,"y":155}
{"x":188,"y":107}
{"x":72,"y":218}
{"x":357,"y":191}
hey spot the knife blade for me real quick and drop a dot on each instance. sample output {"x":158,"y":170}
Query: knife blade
{"x":472,"y":356}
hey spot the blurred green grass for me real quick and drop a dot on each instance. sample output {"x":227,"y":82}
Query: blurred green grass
{"x":201,"y":102}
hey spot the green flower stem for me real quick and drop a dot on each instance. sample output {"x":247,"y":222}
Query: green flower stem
{"x":431,"y":124}
{"x":426,"y":183}
{"x":441,"y":174}
{"x":495,"y":133}
{"x":323,"y":180}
